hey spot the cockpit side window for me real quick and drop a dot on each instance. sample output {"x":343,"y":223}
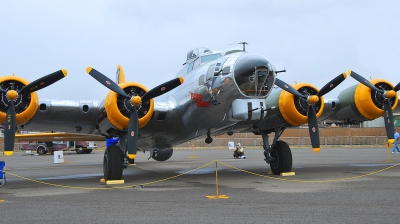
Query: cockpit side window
{"x":190,"y":67}
{"x":196,"y":63}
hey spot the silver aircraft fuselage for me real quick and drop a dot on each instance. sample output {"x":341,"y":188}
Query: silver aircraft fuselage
{"x":202,"y":105}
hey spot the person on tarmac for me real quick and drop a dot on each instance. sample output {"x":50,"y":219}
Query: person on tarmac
{"x":396,"y":142}
{"x":238,"y":152}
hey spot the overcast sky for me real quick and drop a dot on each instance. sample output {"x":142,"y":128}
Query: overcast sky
{"x":314,"y":40}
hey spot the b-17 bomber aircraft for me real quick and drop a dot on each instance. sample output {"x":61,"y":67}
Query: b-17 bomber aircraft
{"x":214,"y":93}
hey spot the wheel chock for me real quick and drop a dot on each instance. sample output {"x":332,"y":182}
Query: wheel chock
{"x":102,"y":180}
{"x":287,"y":174}
{"x":115,"y":182}
{"x":217,"y":196}
{"x":283,"y":174}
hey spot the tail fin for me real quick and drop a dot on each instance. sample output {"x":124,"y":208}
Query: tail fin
{"x":119,"y":75}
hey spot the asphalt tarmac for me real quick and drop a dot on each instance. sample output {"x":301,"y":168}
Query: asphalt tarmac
{"x":336,"y":185}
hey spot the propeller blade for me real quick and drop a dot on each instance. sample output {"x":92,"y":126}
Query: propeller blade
{"x":332,"y":84}
{"x":133,"y":134}
{"x":9,"y":130}
{"x":388,"y":118}
{"x":363,"y":81}
{"x":397,"y":87}
{"x":106,"y":81}
{"x":313,"y":128}
{"x":44,"y":81}
{"x":283,"y":85}
{"x":163,"y":88}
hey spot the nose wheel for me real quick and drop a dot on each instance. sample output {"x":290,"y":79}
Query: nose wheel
{"x":278,"y":155}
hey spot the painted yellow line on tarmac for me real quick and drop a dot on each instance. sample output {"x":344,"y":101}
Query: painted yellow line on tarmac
{"x":313,"y":181}
{"x":200,"y":167}
{"x":110,"y":188}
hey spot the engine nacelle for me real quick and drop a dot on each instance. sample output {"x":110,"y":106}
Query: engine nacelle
{"x":119,"y":108}
{"x":359,"y":103}
{"x":25,"y":105}
{"x":288,"y":109}
{"x":162,"y":154}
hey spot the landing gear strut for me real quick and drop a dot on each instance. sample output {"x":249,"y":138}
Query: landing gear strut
{"x":278,"y":155}
{"x":115,"y":159}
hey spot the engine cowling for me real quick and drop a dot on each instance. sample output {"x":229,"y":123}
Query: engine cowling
{"x":119,"y":108}
{"x":359,"y":103}
{"x":25,"y":105}
{"x":288,"y":109}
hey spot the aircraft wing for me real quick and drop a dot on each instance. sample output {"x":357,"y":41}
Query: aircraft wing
{"x":364,"y":101}
{"x":223,"y":92}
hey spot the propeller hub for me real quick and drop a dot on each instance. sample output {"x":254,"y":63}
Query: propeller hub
{"x":136,"y":100}
{"x":12,"y":95}
{"x":313,"y":99}
{"x":390,"y":94}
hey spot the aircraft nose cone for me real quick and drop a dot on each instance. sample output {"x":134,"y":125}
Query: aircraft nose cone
{"x":253,"y":75}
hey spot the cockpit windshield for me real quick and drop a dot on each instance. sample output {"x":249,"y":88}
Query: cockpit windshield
{"x":210,"y":57}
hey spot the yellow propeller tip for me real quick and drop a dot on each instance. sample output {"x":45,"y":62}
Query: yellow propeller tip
{"x":64,"y":72}
{"x":131,"y":156}
{"x":349,"y":72}
{"x":181,"y":79}
{"x":89,"y":69}
{"x":316,"y":149}
{"x":390,"y":140}
{"x":8,"y":153}
{"x":344,"y":75}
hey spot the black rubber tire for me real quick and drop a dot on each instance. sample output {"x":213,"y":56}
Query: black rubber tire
{"x":41,"y":150}
{"x":87,"y":151}
{"x":283,"y":155}
{"x":113,"y":163}
{"x":79,"y":150}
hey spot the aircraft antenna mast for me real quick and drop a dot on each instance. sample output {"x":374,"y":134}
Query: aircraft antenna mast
{"x":244,"y":45}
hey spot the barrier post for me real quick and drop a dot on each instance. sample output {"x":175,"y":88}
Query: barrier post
{"x":193,"y":156}
{"x":216,"y":186}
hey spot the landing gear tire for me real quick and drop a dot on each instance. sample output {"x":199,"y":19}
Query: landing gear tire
{"x":113,"y":163}
{"x":282,"y":158}
{"x":87,"y":151}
